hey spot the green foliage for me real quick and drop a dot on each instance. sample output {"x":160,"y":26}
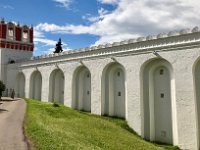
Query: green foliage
{"x":58,"y":48}
{"x":62,"y":128}
{"x":56,"y":104}
{"x":2,"y":87}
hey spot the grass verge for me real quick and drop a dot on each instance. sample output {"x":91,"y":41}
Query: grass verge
{"x":61,"y":128}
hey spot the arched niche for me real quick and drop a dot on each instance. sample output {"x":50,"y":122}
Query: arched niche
{"x":113,"y":91}
{"x":82,"y":89}
{"x":56,"y":86}
{"x":20,"y":85}
{"x":158,"y":101}
{"x":35,"y":85}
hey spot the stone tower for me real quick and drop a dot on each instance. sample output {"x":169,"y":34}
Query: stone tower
{"x":16,"y":44}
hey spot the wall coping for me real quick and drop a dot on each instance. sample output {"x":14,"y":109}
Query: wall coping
{"x":162,"y":42}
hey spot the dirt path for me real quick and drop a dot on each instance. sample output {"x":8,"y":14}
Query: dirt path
{"x":11,"y":125}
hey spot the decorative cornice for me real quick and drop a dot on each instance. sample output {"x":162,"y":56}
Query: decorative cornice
{"x":163,"y":41}
{"x":130,"y":41}
{"x":2,"y":21}
{"x":16,"y":42}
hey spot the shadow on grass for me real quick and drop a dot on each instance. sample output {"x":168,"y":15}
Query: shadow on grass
{"x":166,"y":146}
{"x":124,"y":125}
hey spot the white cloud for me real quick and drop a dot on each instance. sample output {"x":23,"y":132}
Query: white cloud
{"x":7,"y":7}
{"x":72,"y":29}
{"x":63,"y":3}
{"x":101,"y":14}
{"x":109,"y":1}
{"x":38,"y":34}
{"x":45,"y":41}
{"x":48,"y":43}
{"x":133,"y":18}
{"x":52,"y":49}
{"x":90,"y":18}
{"x":40,"y":38}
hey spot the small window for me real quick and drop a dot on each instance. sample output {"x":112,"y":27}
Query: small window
{"x":161,"y":71}
{"x":88,"y":75}
{"x":118,"y":74}
{"x":11,"y":61}
{"x":25,"y":35}
{"x":162,"y":95}
{"x":119,"y":93}
{"x":88,"y":92}
{"x":163,"y":133}
{"x":10,"y":34}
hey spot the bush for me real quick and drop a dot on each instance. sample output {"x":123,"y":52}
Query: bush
{"x":56,"y":104}
{"x":2,"y":88}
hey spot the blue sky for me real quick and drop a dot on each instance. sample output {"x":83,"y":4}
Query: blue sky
{"x":83,"y":23}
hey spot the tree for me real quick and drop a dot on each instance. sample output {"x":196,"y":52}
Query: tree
{"x":58,"y":48}
{"x":2,"y":88}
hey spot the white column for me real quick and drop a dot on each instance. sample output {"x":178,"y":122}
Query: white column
{"x":68,"y":70}
{"x":132,"y":92}
{"x":95,"y":93}
{"x":27,"y":74}
{"x":45,"y":72}
{"x":185,"y":105}
{"x":96,"y":68}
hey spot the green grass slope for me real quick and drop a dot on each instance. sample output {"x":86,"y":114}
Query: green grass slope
{"x":61,"y":128}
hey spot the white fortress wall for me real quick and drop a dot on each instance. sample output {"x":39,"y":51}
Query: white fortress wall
{"x":139,"y":63}
{"x":8,"y":55}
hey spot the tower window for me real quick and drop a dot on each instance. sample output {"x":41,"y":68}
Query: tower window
{"x":88,"y":75}
{"x":10,"y":34}
{"x":25,"y":36}
{"x":119,"y":93}
{"x":88,"y":92}
{"x":161,"y":71}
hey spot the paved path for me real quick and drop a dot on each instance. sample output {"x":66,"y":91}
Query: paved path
{"x":11,"y":125}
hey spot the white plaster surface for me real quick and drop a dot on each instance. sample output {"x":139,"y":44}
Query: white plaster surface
{"x":181,"y":50}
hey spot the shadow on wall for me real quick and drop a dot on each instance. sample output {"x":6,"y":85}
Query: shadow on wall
{"x":56,"y":86}
{"x":157,"y":101}
{"x":81,"y":94}
{"x":113,"y":91}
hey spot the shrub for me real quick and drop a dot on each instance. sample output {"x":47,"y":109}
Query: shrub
{"x":2,"y":88}
{"x":56,"y":104}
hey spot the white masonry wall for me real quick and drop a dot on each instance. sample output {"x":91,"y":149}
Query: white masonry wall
{"x":7,"y":55}
{"x":181,"y":50}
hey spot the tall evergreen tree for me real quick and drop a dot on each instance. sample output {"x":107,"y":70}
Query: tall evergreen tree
{"x":58,"y":48}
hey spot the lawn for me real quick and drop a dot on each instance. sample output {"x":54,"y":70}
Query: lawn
{"x":61,"y":128}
